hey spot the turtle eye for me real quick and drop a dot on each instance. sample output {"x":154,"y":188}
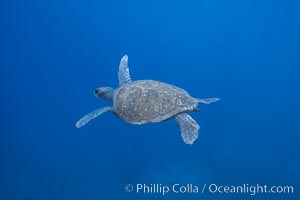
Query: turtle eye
{"x":96,"y":92}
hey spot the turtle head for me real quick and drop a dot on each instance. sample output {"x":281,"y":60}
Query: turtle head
{"x":106,"y":93}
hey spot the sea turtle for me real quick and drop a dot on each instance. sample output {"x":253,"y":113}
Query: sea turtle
{"x":149,"y":101}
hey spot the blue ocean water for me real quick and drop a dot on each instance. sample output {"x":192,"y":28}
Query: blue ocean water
{"x":55,"y":53}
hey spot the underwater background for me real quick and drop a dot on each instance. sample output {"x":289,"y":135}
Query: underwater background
{"x":55,"y":53}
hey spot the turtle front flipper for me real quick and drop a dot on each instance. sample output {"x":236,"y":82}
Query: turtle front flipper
{"x":93,"y":115}
{"x":188,"y":127}
{"x":123,"y":74}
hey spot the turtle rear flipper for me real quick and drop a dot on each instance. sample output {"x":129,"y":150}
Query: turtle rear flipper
{"x":188,"y":127}
{"x":93,"y":115}
{"x":207,"y":100}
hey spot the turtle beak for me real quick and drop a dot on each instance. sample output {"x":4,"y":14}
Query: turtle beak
{"x":97,"y":92}
{"x":104,"y":93}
